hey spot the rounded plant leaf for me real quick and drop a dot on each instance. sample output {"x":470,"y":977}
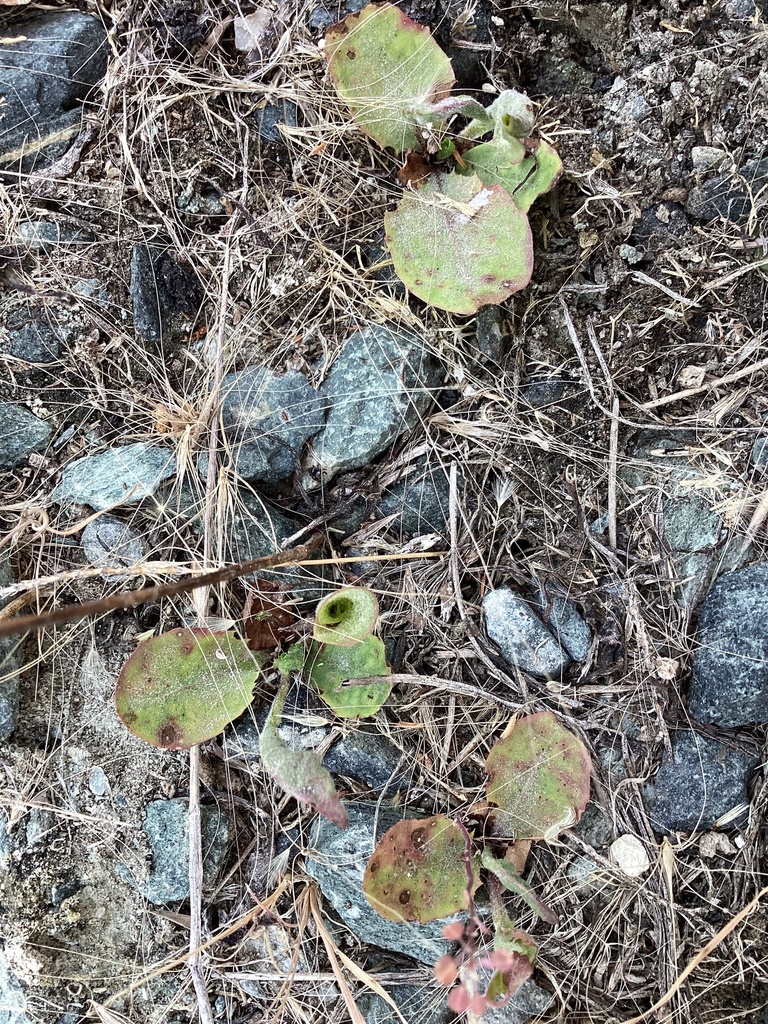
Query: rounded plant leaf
{"x":185,"y":686}
{"x":498,"y":163}
{"x":346,"y":617}
{"x":539,"y":776}
{"x":385,"y":67}
{"x":418,"y":871}
{"x":330,"y":667}
{"x":459,"y":244}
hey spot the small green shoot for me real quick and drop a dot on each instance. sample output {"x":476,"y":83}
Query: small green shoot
{"x":185,"y":686}
{"x":460,"y":237}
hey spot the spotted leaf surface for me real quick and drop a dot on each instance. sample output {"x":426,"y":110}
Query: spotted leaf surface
{"x":185,"y":686}
{"x":459,"y":244}
{"x":389,"y":71}
{"x":538,"y":775}
{"x":418,"y":871}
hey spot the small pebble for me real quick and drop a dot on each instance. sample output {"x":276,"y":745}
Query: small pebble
{"x":628,"y":854}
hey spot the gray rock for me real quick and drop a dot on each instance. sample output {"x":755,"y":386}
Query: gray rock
{"x":690,"y":524}
{"x":530,"y":1000}
{"x":35,"y":338}
{"x":420,"y":503}
{"x":732,"y":196}
{"x":120,"y":476}
{"x":242,"y":739}
{"x":13,"y":1002}
{"x":378,"y":388}
{"x":660,"y":226}
{"x":564,"y":622}
{"x":369,"y":758}
{"x":703,"y":158}
{"x":521,"y":636}
{"x":337,"y":863}
{"x":49,"y":65}
{"x":488,"y":334}
{"x":259,"y":529}
{"x":427,"y":1005}
{"x":759,"y":454}
{"x":267,"y":420}
{"x":21,"y":434}
{"x":548,"y":391}
{"x":10,"y":662}
{"x":582,"y":871}
{"x":730,"y":663}
{"x":594,"y":827}
{"x":110,"y":541}
{"x":701,"y":782}
{"x":167,"y":829}
{"x":161,"y":284}
{"x":267,"y":119}
{"x":47,"y":236}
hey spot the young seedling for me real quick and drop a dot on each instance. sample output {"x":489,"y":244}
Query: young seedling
{"x":538,"y":777}
{"x":460,"y":238}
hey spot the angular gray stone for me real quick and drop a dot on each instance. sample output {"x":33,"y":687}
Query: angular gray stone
{"x":48,"y":66}
{"x":759,"y":454}
{"x":541,"y":393}
{"x":690,"y":524}
{"x":267,"y":419}
{"x":530,"y":1000}
{"x":110,"y":541}
{"x":732,"y":196}
{"x":565,"y":623}
{"x":337,"y":861}
{"x":120,"y":476}
{"x":267,"y":119}
{"x":488,"y":335}
{"x":21,"y":434}
{"x":10,"y":662}
{"x":521,"y":636}
{"x":369,"y":758}
{"x":259,"y":529}
{"x":13,"y":1002}
{"x":379,"y":387}
{"x":35,"y":338}
{"x":167,"y":829}
{"x":730,"y":663}
{"x":420,"y":503}
{"x":702,"y":781}
{"x":161,"y":284}
{"x":425,"y":1004}
{"x":46,"y":236}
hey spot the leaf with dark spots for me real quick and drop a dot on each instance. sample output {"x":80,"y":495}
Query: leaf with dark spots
{"x":538,"y":775}
{"x":418,"y":871}
{"x":185,"y":686}
{"x":300,"y":773}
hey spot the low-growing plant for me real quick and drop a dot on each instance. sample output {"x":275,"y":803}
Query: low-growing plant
{"x":183,"y":687}
{"x":460,"y":238}
{"x":426,"y":869}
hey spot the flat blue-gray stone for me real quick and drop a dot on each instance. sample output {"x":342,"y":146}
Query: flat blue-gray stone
{"x":521,"y":636}
{"x":21,"y":434}
{"x":120,"y":476}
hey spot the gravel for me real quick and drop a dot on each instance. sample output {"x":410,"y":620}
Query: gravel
{"x":521,"y":636}
{"x":21,"y":434}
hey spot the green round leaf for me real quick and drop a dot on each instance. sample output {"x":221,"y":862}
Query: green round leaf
{"x":498,"y":163}
{"x":385,"y":67}
{"x":539,"y":776}
{"x":459,"y":244}
{"x":418,"y":871}
{"x":185,"y":686}
{"x":346,"y":617}
{"x":329,"y":667}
